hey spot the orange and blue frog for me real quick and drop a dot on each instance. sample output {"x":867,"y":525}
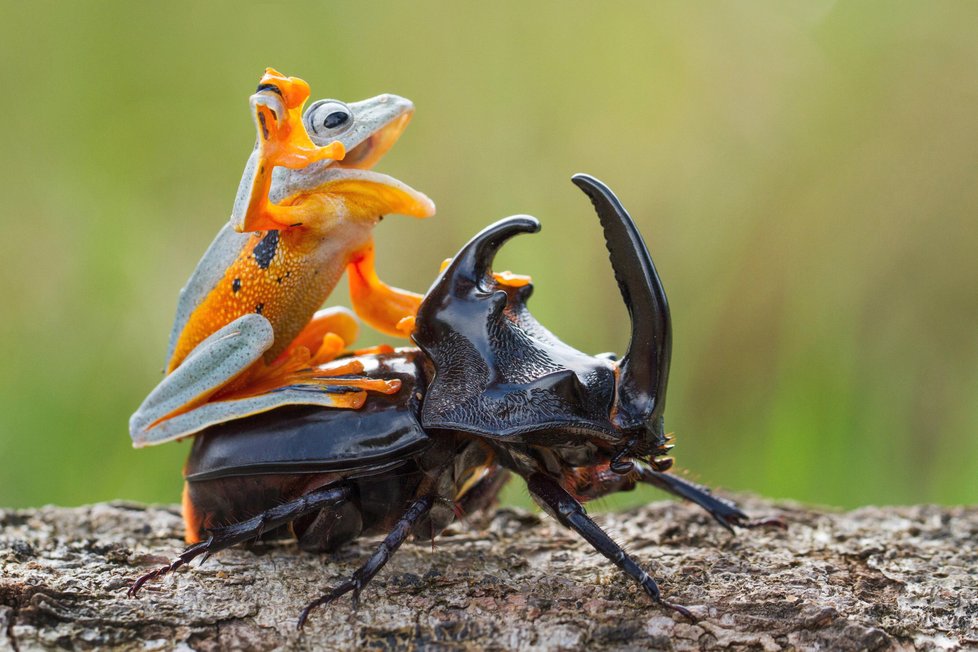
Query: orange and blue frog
{"x":248,"y":336}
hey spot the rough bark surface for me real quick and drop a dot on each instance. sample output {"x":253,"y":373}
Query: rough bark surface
{"x":874,"y":578}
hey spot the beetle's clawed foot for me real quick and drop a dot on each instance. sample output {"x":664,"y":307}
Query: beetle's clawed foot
{"x":354,"y":584}
{"x":652,"y":589}
{"x":730,"y":516}
{"x":770,"y":521}
{"x":202,"y":548}
{"x":679,"y":609}
{"x":152,"y":575}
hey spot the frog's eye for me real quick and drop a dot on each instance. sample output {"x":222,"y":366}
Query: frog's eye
{"x":328,"y":118}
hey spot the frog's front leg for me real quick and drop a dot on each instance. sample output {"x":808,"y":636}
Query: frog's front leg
{"x":388,"y":309}
{"x":282,"y":141}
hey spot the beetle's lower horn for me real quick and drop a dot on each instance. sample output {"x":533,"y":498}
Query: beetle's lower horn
{"x":644,"y":369}
{"x":474,"y":260}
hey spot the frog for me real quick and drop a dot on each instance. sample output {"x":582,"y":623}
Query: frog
{"x":248,"y":335}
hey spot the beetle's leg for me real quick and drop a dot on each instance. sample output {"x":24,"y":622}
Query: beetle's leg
{"x":570,"y":513}
{"x":724,"y":511}
{"x":417,"y":510}
{"x":225,"y":537}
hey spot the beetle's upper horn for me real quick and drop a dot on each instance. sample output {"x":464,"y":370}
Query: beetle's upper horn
{"x":644,"y":370}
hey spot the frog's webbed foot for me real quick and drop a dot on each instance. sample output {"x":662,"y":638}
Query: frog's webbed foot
{"x":507,"y":277}
{"x":328,"y":332}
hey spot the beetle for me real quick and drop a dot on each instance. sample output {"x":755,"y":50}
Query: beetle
{"x":488,"y":392}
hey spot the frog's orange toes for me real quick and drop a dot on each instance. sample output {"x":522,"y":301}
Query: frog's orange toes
{"x":297,"y":157}
{"x":346,"y":383}
{"x":294,"y":373}
{"x":503,"y":278}
{"x":338,"y":322}
{"x":510,"y":279}
{"x":406,"y":325}
{"x":282,"y":135}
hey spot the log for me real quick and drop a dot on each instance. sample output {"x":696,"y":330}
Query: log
{"x":870,"y":579}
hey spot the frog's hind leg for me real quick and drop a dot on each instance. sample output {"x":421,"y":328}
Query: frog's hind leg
{"x":309,"y":365}
{"x":167,"y":413}
{"x":224,"y":379}
{"x":325,"y":336}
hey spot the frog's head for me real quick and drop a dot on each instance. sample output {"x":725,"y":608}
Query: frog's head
{"x":367,"y":129}
{"x":348,"y":188}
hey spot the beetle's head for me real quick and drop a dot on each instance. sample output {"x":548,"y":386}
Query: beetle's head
{"x":500,"y":374}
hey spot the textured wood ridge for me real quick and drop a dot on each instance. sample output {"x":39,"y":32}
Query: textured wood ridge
{"x":874,"y":578}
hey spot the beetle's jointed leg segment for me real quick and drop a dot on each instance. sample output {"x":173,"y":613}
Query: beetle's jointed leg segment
{"x":225,"y":537}
{"x":570,"y":513}
{"x":724,"y":511}
{"x":417,"y":511}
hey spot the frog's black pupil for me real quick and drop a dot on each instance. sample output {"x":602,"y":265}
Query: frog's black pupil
{"x":335,"y":119}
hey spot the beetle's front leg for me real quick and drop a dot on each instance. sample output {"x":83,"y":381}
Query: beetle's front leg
{"x":225,"y":537}
{"x":570,"y":513}
{"x":725,"y":512}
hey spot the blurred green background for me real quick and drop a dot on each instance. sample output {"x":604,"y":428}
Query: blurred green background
{"x":805,"y":174}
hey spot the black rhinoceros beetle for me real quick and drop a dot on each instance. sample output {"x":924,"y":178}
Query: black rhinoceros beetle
{"x":488,"y":391}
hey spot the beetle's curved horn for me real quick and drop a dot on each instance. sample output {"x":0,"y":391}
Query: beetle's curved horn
{"x":474,"y":260}
{"x":645,"y":367}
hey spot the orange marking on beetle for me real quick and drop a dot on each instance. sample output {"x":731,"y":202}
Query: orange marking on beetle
{"x":192,"y":519}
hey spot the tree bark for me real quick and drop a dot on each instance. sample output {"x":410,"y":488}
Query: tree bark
{"x":874,"y":578}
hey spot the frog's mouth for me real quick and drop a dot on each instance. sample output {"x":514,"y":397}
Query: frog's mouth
{"x":371,"y":149}
{"x":367,"y":128}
